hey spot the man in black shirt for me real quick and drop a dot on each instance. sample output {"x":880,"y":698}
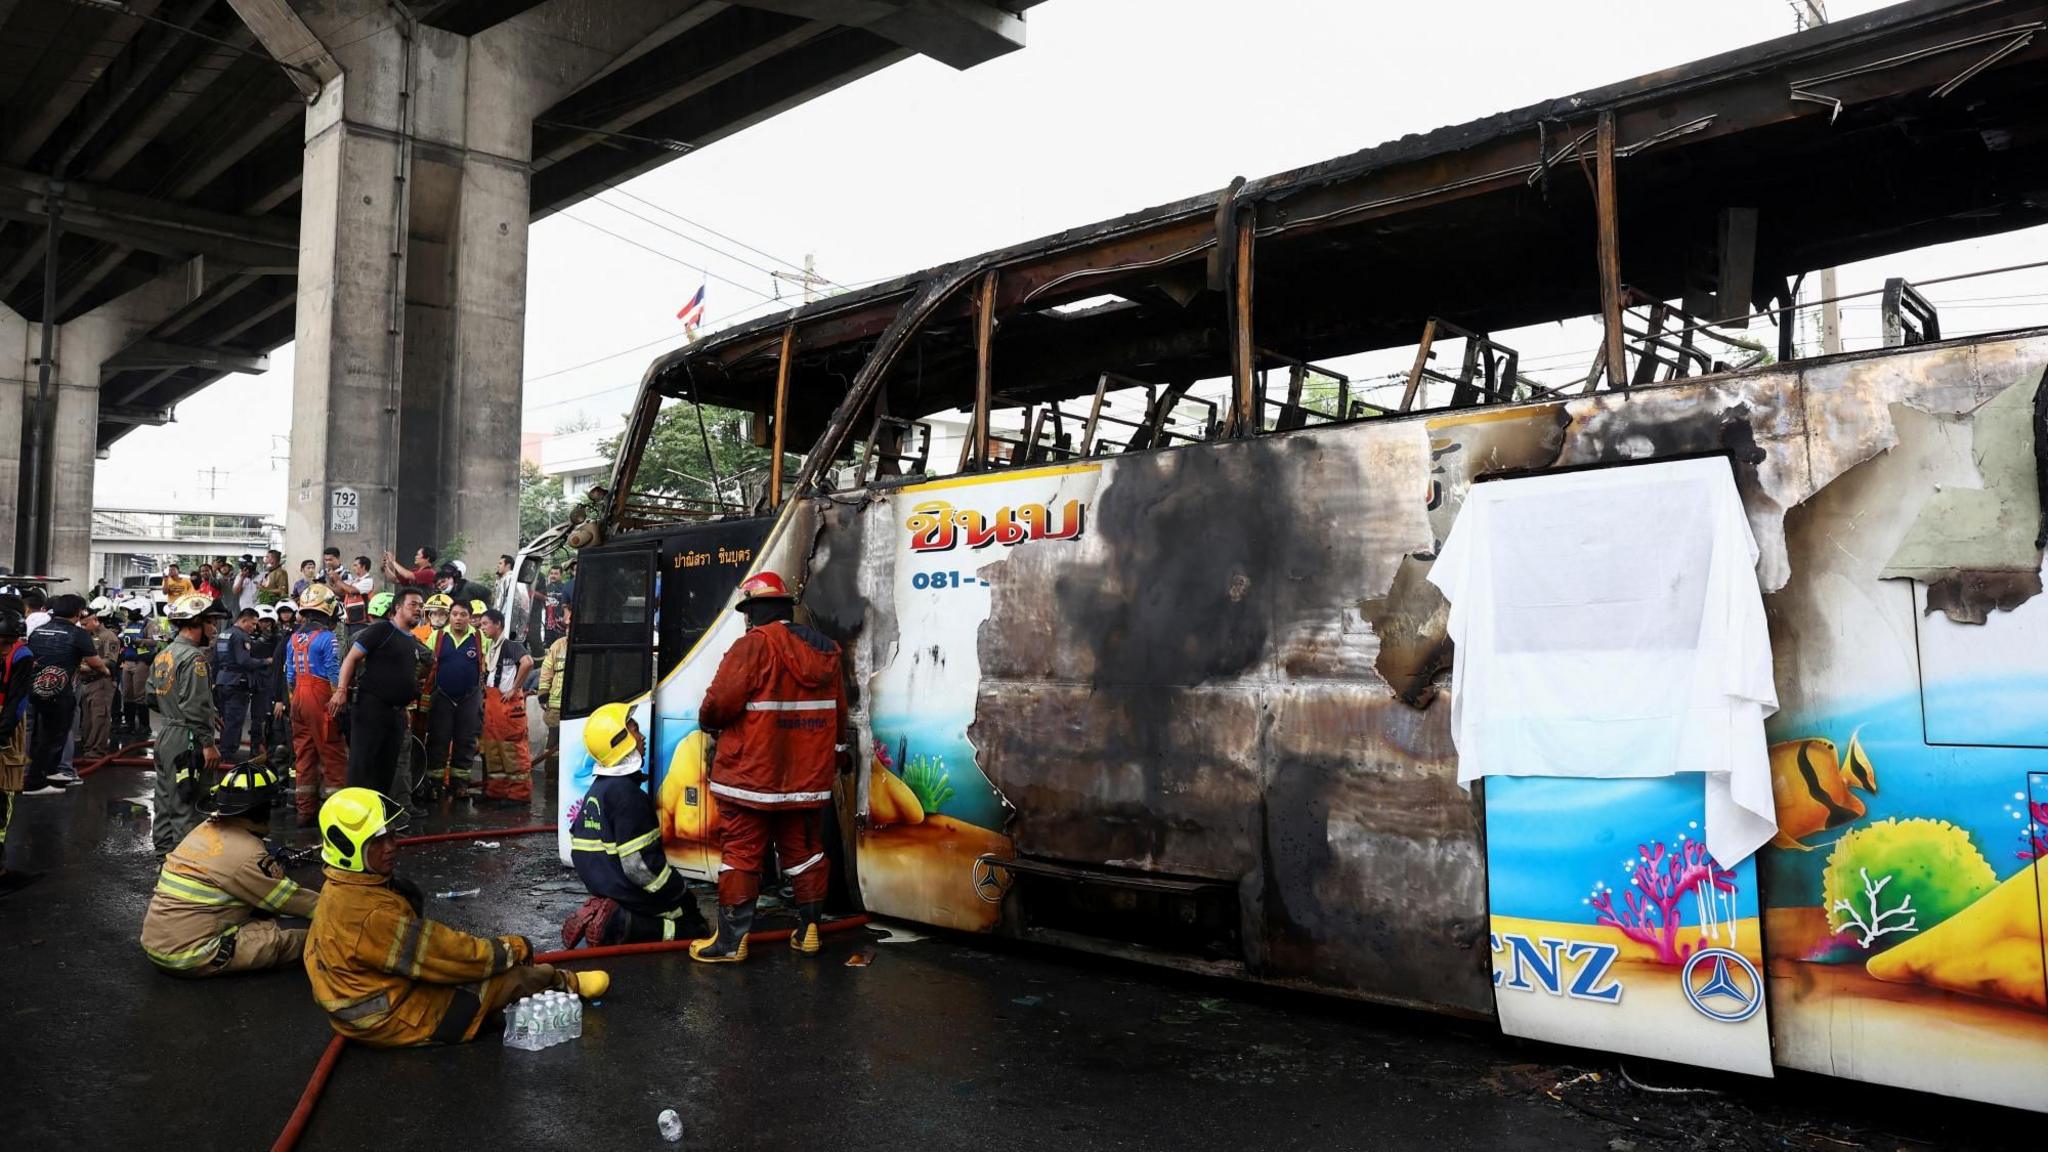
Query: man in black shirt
{"x":386,"y":657}
{"x":60,"y":647}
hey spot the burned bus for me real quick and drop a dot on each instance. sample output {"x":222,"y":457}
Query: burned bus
{"x":1144,"y":612}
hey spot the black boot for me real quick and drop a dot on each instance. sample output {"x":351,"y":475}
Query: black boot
{"x":730,"y":945}
{"x":807,"y":939}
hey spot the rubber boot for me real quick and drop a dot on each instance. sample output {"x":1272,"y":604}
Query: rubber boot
{"x":588,"y":984}
{"x":807,"y":939}
{"x":730,"y":945}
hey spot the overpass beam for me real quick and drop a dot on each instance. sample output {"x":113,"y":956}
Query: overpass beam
{"x":71,"y":427}
{"x":411,"y":322}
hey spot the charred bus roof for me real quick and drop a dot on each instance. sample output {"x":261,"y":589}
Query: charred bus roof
{"x":1916,"y":124}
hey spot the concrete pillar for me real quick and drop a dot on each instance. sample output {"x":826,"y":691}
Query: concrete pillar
{"x":412,"y":268}
{"x":15,"y":382}
{"x":82,"y":345}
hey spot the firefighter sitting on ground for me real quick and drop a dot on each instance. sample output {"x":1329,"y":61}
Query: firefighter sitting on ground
{"x":209,"y":914}
{"x":187,"y":747}
{"x":779,"y":709}
{"x":615,"y":844}
{"x":387,"y":976}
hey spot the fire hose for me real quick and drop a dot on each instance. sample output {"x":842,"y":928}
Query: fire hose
{"x":324,"y":1070}
{"x":119,"y":758}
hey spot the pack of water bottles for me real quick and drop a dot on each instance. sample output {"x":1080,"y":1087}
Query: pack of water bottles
{"x":543,"y":1020}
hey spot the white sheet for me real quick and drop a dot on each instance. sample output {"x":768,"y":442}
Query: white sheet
{"x":1608,"y":623}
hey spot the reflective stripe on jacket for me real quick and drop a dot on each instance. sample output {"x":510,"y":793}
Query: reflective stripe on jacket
{"x":615,"y":844}
{"x":385,"y":974}
{"x":217,"y":879}
{"x":778,"y":705}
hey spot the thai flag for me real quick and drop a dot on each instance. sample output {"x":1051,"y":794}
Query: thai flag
{"x":693,"y":312}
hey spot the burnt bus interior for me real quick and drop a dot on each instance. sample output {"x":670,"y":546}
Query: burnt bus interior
{"x":1681,"y":209}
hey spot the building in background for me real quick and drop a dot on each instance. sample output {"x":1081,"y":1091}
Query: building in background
{"x":140,"y":541}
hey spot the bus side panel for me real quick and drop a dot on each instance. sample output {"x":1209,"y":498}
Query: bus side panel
{"x":1905,"y":896}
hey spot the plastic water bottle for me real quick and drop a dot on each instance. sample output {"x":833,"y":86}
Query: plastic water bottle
{"x":575,"y":1018}
{"x":551,"y":1020}
{"x":671,"y":1125}
{"x":519,"y":1027}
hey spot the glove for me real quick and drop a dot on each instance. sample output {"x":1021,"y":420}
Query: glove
{"x":520,"y":947}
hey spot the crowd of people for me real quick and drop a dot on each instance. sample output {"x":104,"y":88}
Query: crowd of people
{"x":398,"y":677}
{"x":382,"y":972}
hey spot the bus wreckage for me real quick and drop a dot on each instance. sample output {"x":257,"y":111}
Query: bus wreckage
{"x":1143,"y":605}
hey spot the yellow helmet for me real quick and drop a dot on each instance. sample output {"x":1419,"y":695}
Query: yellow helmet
{"x":317,"y":598}
{"x":189,"y":607}
{"x":605,"y":735}
{"x":349,"y":820}
{"x":439,"y":602}
{"x":478,"y":607}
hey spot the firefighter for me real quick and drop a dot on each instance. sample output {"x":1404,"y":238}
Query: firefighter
{"x":384,"y":974}
{"x":312,"y":667}
{"x":507,"y":756}
{"x":96,"y":688}
{"x":211,"y":911}
{"x":615,"y":844}
{"x":778,"y":708}
{"x":187,"y":749}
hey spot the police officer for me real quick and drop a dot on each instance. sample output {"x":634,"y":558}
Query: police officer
{"x":187,"y":753}
{"x":139,"y":645}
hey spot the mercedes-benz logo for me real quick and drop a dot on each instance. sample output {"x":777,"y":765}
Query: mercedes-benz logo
{"x":1722,"y":985}
{"x":991,"y":880}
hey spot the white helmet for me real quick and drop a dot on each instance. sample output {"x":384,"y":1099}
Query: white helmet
{"x":100,"y":606}
{"x":265,"y":612}
{"x":140,"y":605}
{"x":461,"y":569}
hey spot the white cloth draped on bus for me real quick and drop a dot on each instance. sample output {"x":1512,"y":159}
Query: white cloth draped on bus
{"x":1608,"y":623}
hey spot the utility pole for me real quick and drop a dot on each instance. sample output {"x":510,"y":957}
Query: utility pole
{"x":810,"y":279}
{"x":1812,"y":14}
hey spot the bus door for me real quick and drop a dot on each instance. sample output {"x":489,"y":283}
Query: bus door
{"x":611,"y":654}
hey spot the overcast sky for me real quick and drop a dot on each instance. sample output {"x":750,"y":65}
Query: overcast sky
{"x":1114,"y":105}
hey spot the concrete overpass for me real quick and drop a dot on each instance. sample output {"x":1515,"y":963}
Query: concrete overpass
{"x":187,"y":184}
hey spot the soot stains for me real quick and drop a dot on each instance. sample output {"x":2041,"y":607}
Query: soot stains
{"x":1971,"y":597}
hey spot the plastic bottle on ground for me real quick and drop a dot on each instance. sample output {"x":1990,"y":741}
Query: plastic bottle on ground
{"x":671,"y":1125}
{"x":575,"y":1018}
{"x":519,"y":1027}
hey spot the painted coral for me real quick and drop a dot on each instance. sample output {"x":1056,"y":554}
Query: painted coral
{"x":1653,"y":905}
{"x":2036,"y":835}
{"x":1883,"y":874}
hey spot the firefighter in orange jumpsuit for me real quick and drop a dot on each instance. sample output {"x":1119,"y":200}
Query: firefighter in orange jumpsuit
{"x":779,"y":708}
{"x":312,"y":666}
{"x":508,"y":760}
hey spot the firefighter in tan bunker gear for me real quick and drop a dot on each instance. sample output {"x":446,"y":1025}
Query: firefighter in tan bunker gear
{"x":385,"y":974}
{"x":210,"y":913}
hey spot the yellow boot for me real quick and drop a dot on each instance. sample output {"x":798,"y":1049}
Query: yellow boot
{"x":589,"y":985}
{"x":807,"y":939}
{"x":729,"y":946}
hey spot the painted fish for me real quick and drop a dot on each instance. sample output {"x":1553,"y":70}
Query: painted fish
{"x":1815,"y":787}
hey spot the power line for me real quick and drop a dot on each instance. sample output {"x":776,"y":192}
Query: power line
{"x":768,"y":256}
{"x":769,"y":272}
{"x":705,"y":272}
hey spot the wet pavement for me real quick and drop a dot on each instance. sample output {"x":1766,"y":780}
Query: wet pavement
{"x":939,"y":1042}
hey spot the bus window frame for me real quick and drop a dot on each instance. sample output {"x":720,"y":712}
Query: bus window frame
{"x":580,"y":643}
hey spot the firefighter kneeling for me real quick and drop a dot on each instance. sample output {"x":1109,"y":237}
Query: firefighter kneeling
{"x":387,"y":976}
{"x":203,"y":919}
{"x":779,"y":709}
{"x":635,"y":897}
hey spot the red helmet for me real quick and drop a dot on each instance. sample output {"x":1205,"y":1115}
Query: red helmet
{"x":764,"y":586}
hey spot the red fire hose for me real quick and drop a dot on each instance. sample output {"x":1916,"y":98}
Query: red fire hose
{"x":324,"y":1070}
{"x":119,"y":758}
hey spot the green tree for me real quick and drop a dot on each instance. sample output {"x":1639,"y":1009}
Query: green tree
{"x":674,"y":461}
{"x":541,"y":502}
